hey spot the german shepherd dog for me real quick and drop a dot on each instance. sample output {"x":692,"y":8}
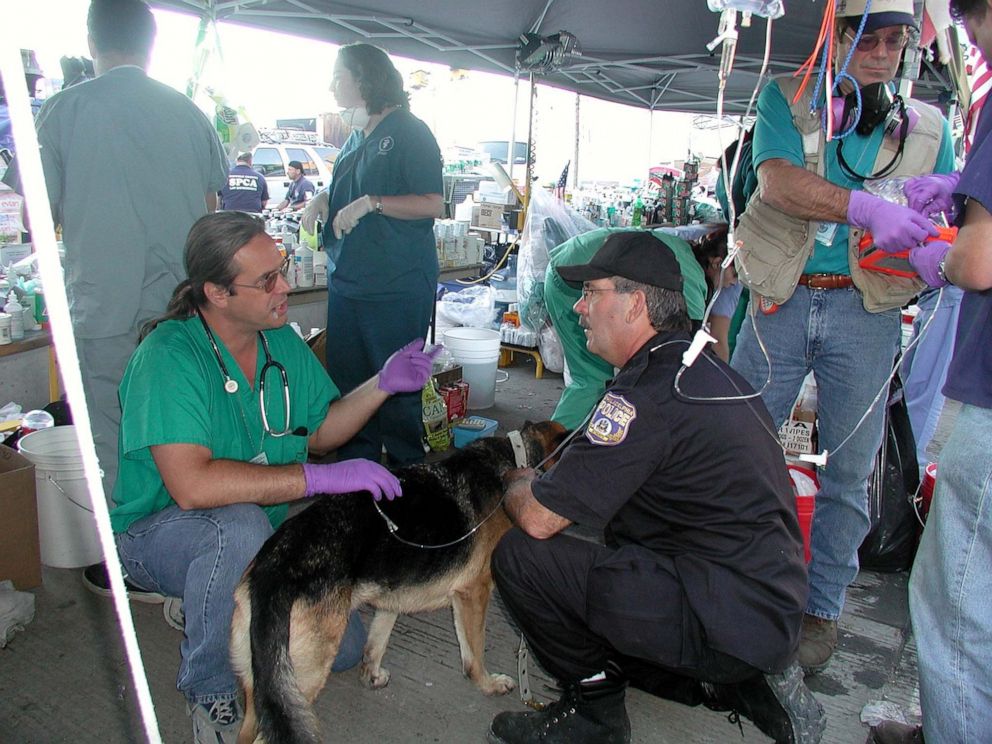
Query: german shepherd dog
{"x":293,"y":603}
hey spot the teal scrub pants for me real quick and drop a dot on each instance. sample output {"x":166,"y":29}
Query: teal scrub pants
{"x":361,"y":335}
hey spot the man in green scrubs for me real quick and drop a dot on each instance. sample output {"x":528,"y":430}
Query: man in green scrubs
{"x":210,"y":455}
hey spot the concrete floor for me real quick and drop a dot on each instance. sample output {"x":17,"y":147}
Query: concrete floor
{"x":65,"y":678}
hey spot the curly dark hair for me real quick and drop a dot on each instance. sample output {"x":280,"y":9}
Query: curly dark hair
{"x":962,"y":8}
{"x":379,"y":82}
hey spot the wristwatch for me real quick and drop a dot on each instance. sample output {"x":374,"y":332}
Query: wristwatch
{"x":378,"y":205}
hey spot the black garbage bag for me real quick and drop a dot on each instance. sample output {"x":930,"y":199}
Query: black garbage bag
{"x":891,"y":543}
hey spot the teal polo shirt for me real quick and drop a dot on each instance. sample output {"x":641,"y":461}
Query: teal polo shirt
{"x":173,"y":393}
{"x":775,"y":136}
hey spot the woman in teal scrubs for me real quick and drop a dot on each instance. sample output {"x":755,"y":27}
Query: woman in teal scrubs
{"x":382,"y":269}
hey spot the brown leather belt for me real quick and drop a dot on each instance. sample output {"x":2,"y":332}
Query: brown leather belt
{"x":826,"y":281}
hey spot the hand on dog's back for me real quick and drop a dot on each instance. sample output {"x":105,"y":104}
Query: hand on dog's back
{"x":349,"y":476}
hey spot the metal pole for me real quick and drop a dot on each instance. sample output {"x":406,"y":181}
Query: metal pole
{"x":511,"y":145}
{"x":575,"y":160}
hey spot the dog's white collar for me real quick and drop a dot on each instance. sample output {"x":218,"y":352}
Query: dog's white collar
{"x":519,"y":451}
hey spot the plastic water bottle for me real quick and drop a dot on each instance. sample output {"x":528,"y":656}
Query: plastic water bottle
{"x":34,"y":420}
{"x":16,"y":312}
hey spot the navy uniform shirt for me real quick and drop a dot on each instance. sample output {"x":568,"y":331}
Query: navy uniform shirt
{"x":298,"y":190}
{"x":245,"y":191}
{"x":703,"y":483}
{"x":383,"y":257}
{"x":969,"y":377}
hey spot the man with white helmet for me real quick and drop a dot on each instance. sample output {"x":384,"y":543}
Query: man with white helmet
{"x":814,"y":308}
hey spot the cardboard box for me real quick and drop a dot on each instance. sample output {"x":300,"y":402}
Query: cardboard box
{"x":14,"y":252}
{"x":488,"y":215}
{"x":20,"y":551}
{"x":448,"y":377}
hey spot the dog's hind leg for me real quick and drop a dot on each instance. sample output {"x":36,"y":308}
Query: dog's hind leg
{"x":372,"y":672}
{"x":315,"y":637}
{"x":469,"y":604}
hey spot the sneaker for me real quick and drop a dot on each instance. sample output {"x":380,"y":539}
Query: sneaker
{"x":585,"y":714}
{"x":894,"y":732}
{"x":218,"y":722}
{"x":95,"y":579}
{"x":172,"y":609}
{"x":780,"y":705}
{"x":817,"y":641}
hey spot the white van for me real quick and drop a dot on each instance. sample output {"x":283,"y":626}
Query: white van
{"x":272,"y":158}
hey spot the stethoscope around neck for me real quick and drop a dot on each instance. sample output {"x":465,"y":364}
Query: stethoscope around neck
{"x":231,"y":385}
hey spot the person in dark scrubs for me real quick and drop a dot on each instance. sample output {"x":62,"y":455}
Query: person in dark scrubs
{"x":698,"y":592}
{"x":379,"y":234}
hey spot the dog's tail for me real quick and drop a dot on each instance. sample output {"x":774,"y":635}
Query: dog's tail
{"x":284,"y":714}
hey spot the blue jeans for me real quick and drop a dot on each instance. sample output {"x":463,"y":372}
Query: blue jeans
{"x":200,"y":555}
{"x":950,"y":590}
{"x":850,"y":352}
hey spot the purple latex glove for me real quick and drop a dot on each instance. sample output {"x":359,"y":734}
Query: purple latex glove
{"x":349,"y":476}
{"x":932,"y":194}
{"x":407,"y":370}
{"x":894,"y":227}
{"x":926,"y":260}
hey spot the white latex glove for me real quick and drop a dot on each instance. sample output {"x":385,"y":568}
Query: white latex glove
{"x":315,"y":210}
{"x":348,"y":216}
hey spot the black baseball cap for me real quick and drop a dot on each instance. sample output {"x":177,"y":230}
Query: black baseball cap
{"x":638,"y":256}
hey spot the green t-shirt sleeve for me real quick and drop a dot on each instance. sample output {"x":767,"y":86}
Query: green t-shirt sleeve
{"x":775,"y":136}
{"x":420,"y":161}
{"x":945,"y":155}
{"x":163,"y":408}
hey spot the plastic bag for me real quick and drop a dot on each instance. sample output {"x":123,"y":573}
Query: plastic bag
{"x":891,"y":543}
{"x":474,"y":307}
{"x":549,"y":223}
{"x":552,"y":353}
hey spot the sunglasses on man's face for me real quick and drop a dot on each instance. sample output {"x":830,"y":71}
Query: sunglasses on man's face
{"x":268,"y":281}
{"x":868,"y":42}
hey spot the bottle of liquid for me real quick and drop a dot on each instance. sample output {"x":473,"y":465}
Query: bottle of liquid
{"x":635,"y":218}
{"x":435,"y":417}
{"x":16,"y":312}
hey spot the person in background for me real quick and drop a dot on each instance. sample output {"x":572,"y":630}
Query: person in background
{"x":300,"y":190}
{"x":950,"y":584}
{"x":246,"y":189}
{"x":378,"y":217}
{"x":32,"y":74}
{"x":710,"y":251}
{"x":812,"y":307}
{"x":588,"y":373}
{"x":123,"y":258}
{"x":210,"y":455}
{"x":700,"y":585}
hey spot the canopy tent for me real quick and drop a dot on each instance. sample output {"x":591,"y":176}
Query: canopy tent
{"x":646,"y":53}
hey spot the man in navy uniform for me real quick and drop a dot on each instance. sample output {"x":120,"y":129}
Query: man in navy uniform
{"x":246,"y":189}
{"x":297,"y":195}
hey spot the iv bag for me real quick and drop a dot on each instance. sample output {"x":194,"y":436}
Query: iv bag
{"x":765,"y":8}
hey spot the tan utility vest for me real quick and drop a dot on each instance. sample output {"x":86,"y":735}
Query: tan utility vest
{"x":776,"y":246}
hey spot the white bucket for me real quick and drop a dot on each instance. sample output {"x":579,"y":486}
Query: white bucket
{"x":477,"y":350}
{"x":66,"y":525}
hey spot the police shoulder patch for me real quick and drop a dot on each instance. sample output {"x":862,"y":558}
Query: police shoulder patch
{"x":611,"y":420}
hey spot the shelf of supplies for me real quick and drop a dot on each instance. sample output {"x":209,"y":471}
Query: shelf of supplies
{"x":458,"y":272}
{"x":31,"y":340}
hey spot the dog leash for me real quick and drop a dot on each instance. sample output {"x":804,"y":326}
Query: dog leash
{"x":521,"y":460}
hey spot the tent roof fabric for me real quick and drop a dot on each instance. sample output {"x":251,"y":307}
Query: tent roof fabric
{"x":645,"y":53}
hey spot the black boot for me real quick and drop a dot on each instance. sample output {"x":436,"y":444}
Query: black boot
{"x":780,"y":705}
{"x":586,"y":713}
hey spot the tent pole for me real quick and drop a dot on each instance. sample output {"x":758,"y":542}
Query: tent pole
{"x":530,"y":150}
{"x":575,"y":159}
{"x":512,"y":145}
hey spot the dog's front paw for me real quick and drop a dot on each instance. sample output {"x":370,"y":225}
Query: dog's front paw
{"x":497,"y":684}
{"x":375,"y":678}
